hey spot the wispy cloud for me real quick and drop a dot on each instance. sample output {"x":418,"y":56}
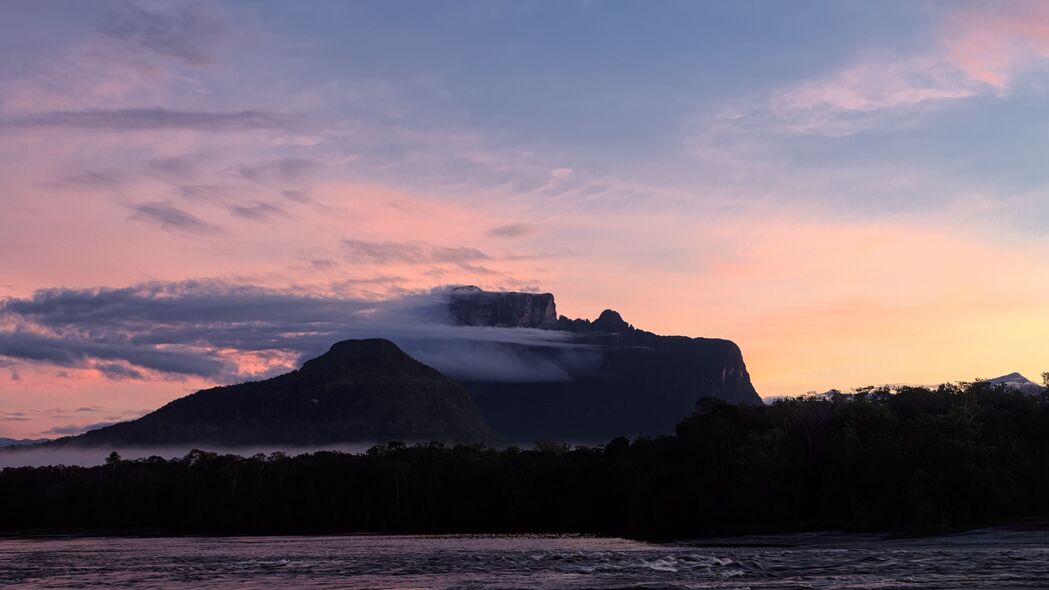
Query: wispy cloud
{"x":996,"y":42}
{"x":94,"y":180}
{"x":866,"y":95}
{"x":117,"y":371}
{"x":210,"y":192}
{"x":138,"y":119}
{"x":257,"y":210}
{"x":281,"y":170}
{"x":179,"y":168}
{"x":66,"y":352}
{"x":295,"y":195}
{"x":510,"y":230}
{"x":975,"y":51}
{"x":189,"y":32}
{"x":171,"y":218}
{"x":408,"y":253}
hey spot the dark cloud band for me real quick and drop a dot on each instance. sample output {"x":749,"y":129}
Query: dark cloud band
{"x":152,"y":118}
{"x":192,"y":329}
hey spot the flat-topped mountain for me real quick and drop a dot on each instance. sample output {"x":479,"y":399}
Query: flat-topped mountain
{"x":359,"y":391}
{"x":619,"y":380}
{"x":470,"y":306}
{"x":596,"y":380}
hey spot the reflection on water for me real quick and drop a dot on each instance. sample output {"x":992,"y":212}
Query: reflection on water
{"x":986,"y":560}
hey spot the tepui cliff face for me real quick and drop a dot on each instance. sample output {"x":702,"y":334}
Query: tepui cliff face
{"x":620,"y":381}
{"x":470,"y":306}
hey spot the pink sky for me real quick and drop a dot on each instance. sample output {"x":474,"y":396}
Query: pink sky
{"x":776,"y":212}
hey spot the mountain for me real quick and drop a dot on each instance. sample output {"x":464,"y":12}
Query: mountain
{"x":617,"y":380}
{"x":19,"y":442}
{"x":470,"y":306}
{"x":359,"y":391}
{"x":1019,"y":382}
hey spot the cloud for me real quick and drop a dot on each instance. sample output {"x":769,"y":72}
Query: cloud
{"x":94,"y":180}
{"x":878,"y":93}
{"x":186,"y":32}
{"x":860,"y":95}
{"x":171,"y":218}
{"x":73,"y":429}
{"x":117,"y":371}
{"x":257,"y":210}
{"x":281,"y":170}
{"x":66,"y":352}
{"x":226,"y":332}
{"x":179,"y":168}
{"x":510,"y":230}
{"x":976,"y":51}
{"x":209,"y":192}
{"x":139,"y":119}
{"x":994,"y":43}
{"x":361,"y":251}
{"x":297,"y":196}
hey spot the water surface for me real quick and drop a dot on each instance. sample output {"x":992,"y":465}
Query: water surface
{"x":994,"y":559}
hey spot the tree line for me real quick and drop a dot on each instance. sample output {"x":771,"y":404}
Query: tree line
{"x":914,"y":460}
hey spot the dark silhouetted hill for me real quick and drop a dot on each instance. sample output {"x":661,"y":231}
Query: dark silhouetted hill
{"x":359,"y":391}
{"x":18,"y":442}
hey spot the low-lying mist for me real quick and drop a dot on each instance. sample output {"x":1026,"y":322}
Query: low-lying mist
{"x":44,"y":456}
{"x":91,"y":456}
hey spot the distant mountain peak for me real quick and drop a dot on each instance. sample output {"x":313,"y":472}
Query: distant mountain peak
{"x":1017,"y":381}
{"x":610,"y":321}
{"x":1011,"y":378}
{"x":17,"y":442}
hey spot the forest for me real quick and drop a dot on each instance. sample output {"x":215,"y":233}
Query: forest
{"x":906,"y":461}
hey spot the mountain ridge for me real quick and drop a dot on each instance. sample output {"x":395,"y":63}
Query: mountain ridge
{"x":359,"y":391}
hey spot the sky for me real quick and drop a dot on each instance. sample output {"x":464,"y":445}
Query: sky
{"x":199,"y":193}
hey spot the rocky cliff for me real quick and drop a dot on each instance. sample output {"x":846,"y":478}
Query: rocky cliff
{"x":619,"y":380}
{"x":470,"y":306}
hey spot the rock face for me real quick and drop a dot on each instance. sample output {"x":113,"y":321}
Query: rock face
{"x":470,"y":306}
{"x":359,"y":391}
{"x":622,"y":381}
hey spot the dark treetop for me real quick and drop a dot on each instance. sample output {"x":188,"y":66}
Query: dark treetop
{"x":915,"y":461}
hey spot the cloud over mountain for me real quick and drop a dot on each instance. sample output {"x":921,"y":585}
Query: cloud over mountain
{"x":219,"y":331}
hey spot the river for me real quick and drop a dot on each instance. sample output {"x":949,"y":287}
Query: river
{"x":984,"y":559}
